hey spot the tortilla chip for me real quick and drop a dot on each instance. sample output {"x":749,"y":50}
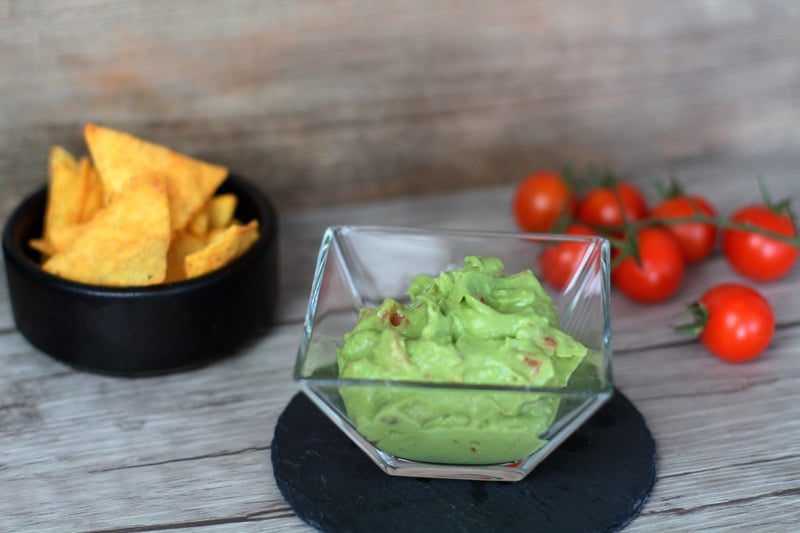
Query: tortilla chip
{"x":120,"y":157}
{"x":65,"y":191}
{"x":198,"y":226}
{"x":62,"y":236}
{"x":227,"y":246}
{"x":125,"y":244}
{"x":220,"y":210}
{"x":92,"y":190}
{"x":42,"y":246}
{"x":213,"y":234}
{"x":182,"y":245}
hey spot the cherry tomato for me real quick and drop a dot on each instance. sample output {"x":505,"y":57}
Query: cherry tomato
{"x":540,"y":199}
{"x":661,"y":268}
{"x":605,"y":206}
{"x":738,"y":322}
{"x":558,"y":263}
{"x":756,"y":256}
{"x":695,"y":239}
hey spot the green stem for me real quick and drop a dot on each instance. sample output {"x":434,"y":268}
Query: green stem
{"x":617,"y":260}
{"x":615,"y":243}
{"x":700,"y":318}
{"x":703,"y":219}
{"x":720,"y":223}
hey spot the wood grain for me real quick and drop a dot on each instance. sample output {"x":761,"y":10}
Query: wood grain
{"x":326,"y":102}
{"x":82,"y":452}
{"x":728,"y":183}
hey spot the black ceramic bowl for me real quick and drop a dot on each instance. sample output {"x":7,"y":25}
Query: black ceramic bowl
{"x":145,"y":330}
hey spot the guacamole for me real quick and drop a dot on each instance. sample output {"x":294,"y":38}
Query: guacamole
{"x":472,"y":325}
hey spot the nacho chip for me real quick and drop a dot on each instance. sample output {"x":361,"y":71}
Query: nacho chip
{"x":42,"y":246}
{"x":92,"y":190}
{"x":227,"y":246}
{"x":120,"y":157}
{"x":220,"y":210}
{"x":65,"y":191}
{"x":62,"y":236}
{"x":213,"y":234}
{"x":125,"y":244}
{"x":182,"y":245}
{"x":198,"y":226}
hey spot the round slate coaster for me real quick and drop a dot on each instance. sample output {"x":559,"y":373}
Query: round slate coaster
{"x":597,"y":480}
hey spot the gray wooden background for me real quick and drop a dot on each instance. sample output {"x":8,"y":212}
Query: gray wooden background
{"x":343,"y":101}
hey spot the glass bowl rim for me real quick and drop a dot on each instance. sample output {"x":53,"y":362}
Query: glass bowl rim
{"x":335,"y":382}
{"x":453,"y":232}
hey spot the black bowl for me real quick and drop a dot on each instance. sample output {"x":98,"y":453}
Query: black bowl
{"x":140,"y":331}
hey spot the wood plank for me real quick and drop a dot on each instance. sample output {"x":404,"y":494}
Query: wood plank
{"x":486,"y":209}
{"x":727,"y":440}
{"x":79,"y":451}
{"x":192,"y":446}
{"x":324,"y":102}
{"x":635,"y":326}
{"x":196,"y":442}
{"x":6,"y":320}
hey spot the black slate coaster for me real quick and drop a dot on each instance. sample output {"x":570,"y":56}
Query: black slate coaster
{"x":597,"y":480}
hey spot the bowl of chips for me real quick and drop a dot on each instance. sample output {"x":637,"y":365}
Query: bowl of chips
{"x":140,"y":260}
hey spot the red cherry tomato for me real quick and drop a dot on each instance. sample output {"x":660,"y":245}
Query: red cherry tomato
{"x":605,"y":206}
{"x":661,"y":268}
{"x":558,"y":263}
{"x":540,"y":199}
{"x":695,"y":239}
{"x":738,"y":324}
{"x":756,"y":256}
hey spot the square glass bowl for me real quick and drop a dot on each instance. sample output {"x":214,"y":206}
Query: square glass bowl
{"x":450,"y":430}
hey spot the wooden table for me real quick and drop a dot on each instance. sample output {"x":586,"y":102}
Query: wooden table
{"x":85,"y":452}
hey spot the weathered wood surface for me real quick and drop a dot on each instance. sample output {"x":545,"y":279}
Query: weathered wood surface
{"x":336,"y":101}
{"x":84,"y":452}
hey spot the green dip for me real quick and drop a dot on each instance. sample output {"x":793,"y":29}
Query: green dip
{"x":472,"y":326}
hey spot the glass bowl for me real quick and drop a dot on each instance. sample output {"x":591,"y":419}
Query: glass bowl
{"x":450,"y":430}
